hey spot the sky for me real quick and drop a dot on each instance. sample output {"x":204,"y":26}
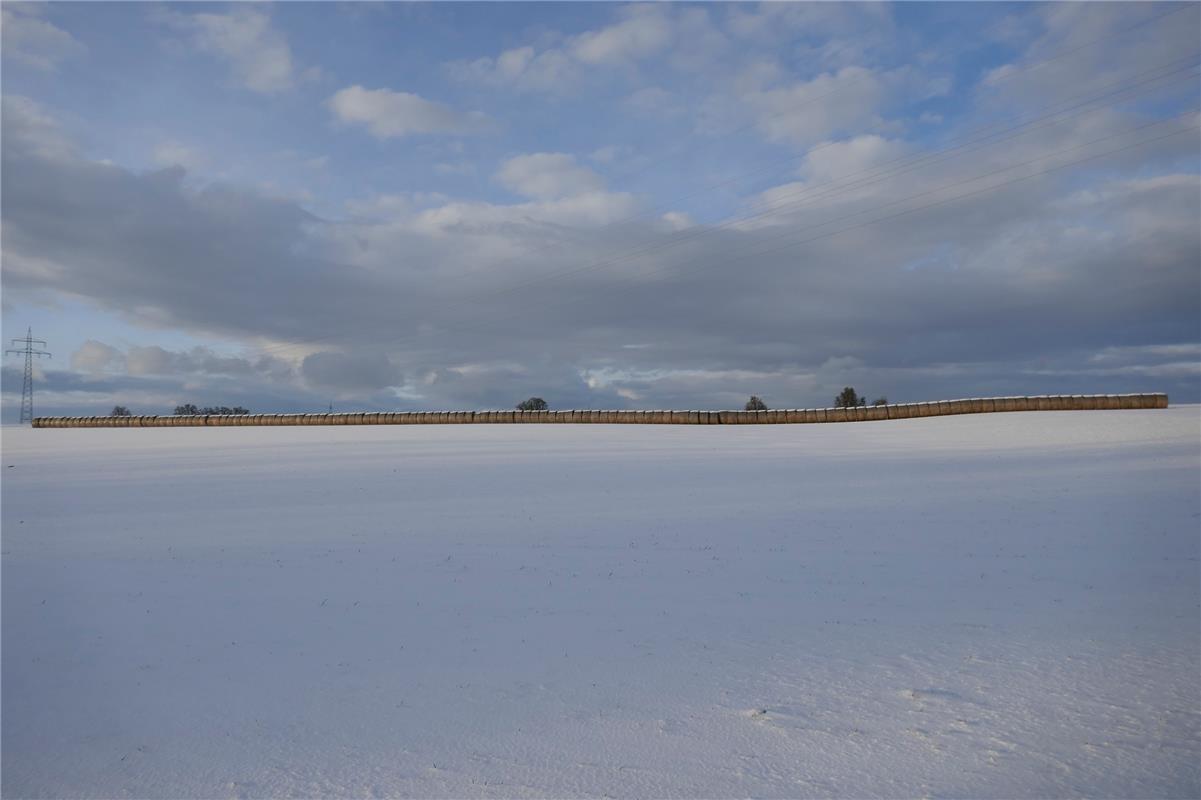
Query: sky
{"x":461,"y":205}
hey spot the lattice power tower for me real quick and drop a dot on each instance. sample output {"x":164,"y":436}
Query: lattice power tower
{"x":29,"y":351}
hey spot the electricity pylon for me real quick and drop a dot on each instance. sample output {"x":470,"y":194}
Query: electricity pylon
{"x":27,"y":387}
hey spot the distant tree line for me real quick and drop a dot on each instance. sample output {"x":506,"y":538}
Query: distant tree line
{"x":533,"y":404}
{"x":190,"y":409}
{"x":847,"y":398}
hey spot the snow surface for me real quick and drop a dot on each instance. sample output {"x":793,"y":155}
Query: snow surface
{"x":1001,"y":605}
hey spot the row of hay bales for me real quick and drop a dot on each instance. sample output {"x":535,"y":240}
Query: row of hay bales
{"x":781,"y":416}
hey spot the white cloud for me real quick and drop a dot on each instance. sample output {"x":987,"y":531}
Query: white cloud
{"x":95,"y":357}
{"x":645,"y":31}
{"x":653,"y":99}
{"x":387,"y":114}
{"x":257,"y":53}
{"x":171,"y":154}
{"x":522,"y":68}
{"x":609,"y":153}
{"x":33,"y":41}
{"x":547,"y":176}
{"x":454,"y":168}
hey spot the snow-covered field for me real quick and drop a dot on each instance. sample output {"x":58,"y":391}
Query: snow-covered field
{"x":984,"y":606}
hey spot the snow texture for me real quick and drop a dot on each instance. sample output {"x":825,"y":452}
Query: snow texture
{"x":1000,"y":605}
